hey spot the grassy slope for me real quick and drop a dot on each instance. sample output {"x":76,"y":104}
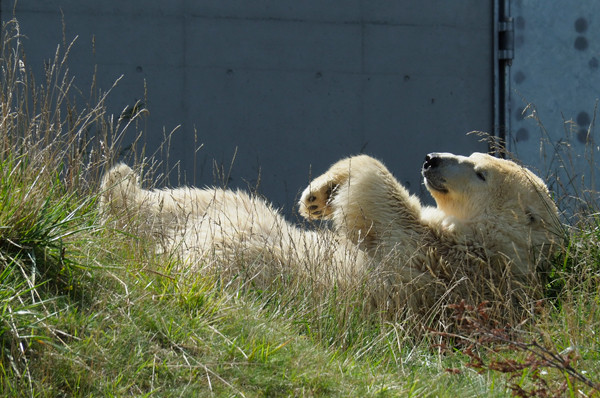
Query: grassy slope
{"x":117,"y":331}
{"x":89,"y":312}
{"x":113,"y":327}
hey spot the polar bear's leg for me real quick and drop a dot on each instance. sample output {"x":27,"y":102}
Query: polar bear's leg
{"x":315,"y":201}
{"x":122,"y":196}
{"x":119,"y":188}
{"x":365,"y":202}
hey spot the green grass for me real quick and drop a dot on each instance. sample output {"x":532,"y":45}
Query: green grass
{"x":90,"y":311}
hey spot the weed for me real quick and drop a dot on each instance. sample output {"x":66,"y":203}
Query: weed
{"x":511,"y":354}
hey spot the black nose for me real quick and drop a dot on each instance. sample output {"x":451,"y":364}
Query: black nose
{"x":432,"y":160}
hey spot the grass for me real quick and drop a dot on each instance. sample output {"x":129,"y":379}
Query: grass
{"x":90,"y":311}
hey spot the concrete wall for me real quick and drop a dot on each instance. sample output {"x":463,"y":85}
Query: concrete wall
{"x":293,"y":85}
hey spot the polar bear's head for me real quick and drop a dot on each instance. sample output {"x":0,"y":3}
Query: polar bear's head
{"x":481,"y":189}
{"x":482,"y":185}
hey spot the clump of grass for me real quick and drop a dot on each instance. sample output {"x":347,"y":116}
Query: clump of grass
{"x":50,"y":154}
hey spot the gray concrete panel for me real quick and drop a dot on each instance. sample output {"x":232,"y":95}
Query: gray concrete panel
{"x":287,"y":10}
{"x":466,"y":14}
{"x":90,"y":7}
{"x":274,"y":45}
{"x":393,"y":49}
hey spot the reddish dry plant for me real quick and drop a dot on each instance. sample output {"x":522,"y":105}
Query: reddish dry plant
{"x":475,"y":330}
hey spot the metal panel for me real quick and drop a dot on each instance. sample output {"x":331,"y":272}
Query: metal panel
{"x":556,"y":81}
{"x":292,"y":85}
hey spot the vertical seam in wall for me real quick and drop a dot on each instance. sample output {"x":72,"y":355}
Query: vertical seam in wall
{"x":184,"y":80}
{"x":363,"y":74}
{"x":495,"y":128}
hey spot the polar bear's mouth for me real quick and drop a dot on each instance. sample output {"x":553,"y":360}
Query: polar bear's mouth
{"x":434,"y":185}
{"x":434,"y":181}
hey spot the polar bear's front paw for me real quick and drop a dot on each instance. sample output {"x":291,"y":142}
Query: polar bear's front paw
{"x":315,"y":200}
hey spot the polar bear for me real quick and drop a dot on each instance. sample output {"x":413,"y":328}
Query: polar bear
{"x":488,"y":238}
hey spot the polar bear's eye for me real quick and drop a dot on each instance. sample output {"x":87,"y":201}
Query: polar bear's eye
{"x":481,"y":175}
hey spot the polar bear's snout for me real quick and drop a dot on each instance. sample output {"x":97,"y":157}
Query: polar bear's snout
{"x":432,"y":171}
{"x":432,"y":160}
